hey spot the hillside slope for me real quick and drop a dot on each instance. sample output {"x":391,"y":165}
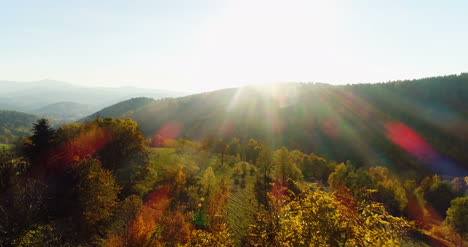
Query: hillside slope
{"x":65,"y":109}
{"x":15,"y":124}
{"x":418,"y":124}
{"x":122,"y":109}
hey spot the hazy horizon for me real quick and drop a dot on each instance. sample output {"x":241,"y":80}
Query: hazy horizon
{"x":181,"y":90}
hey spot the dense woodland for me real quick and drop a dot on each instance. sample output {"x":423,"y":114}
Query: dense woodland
{"x":361,"y":122}
{"x":102,"y":183}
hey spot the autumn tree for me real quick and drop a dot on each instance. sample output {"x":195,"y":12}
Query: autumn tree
{"x":234,"y":147}
{"x":98,"y":195}
{"x":175,"y":229}
{"x":252,"y":151}
{"x":316,"y":168}
{"x":284,"y":167}
{"x":319,"y":218}
{"x":219,"y":238}
{"x":263,"y":177}
{"x":208,"y":181}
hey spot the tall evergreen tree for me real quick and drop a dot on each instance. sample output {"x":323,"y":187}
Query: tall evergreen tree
{"x":39,"y":144}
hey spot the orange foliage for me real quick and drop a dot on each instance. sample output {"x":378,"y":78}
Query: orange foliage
{"x":144,"y":225}
{"x":80,"y":147}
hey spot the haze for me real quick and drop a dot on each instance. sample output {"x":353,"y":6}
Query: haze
{"x":205,"y":45}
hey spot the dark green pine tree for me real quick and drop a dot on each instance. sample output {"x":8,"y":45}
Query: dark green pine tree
{"x":40,"y":143}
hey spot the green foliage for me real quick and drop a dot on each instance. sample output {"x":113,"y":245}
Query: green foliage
{"x":15,"y":125}
{"x":234,"y":147}
{"x":285,"y":168}
{"x":126,"y":152}
{"x":390,"y":191}
{"x":5,"y":146}
{"x":252,"y":151}
{"x":98,"y":193}
{"x":457,"y":215}
{"x":316,"y":168}
{"x":118,"y":144}
{"x":439,"y":194}
{"x":12,"y":168}
{"x":208,"y":181}
{"x":41,"y":142}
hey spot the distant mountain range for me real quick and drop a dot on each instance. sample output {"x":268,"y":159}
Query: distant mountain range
{"x":59,"y":99}
{"x":417,"y":124}
{"x":66,"y":111}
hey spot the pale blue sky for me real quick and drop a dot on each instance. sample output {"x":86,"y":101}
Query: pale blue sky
{"x":209,"y":44}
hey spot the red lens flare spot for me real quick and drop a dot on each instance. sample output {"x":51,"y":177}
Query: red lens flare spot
{"x":170,"y":130}
{"x":227,"y":128}
{"x":330,"y":128}
{"x":407,"y":139}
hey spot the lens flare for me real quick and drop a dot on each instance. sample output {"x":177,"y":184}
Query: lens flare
{"x":407,"y":139}
{"x":170,"y":130}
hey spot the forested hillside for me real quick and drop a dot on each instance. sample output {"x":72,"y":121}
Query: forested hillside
{"x":15,"y":125}
{"x":122,"y":109}
{"x":98,"y":183}
{"x":417,"y":125}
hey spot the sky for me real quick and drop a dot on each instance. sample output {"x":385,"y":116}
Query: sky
{"x":203,"y":45}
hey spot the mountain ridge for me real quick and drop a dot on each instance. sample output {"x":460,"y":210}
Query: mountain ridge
{"x":345,"y":122}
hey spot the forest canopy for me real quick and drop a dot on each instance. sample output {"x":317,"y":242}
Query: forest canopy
{"x":99,"y":183}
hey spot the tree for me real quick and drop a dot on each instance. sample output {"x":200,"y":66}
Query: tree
{"x":339,"y":176}
{"x":284,"y":167}
{"x":98,"y":194}
{"x":38,"y":146}
{"x":39,"y":236}
{"x":439,"y":195}
{"x":319,"y":218}
{"x":175,"y":229}
{"x":21,"y":206}
{"x":123,"y":150}
{"x":208,"y":181}
{"x":219,"y":238}
{"x":316,"y":168}
{"x":12,"y":168}
{"x":252,"y":151}
{"x":125,"y":214}
{"x":263,"y":177}
{"x":234,"y":147}
{"x":457,"y":215}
